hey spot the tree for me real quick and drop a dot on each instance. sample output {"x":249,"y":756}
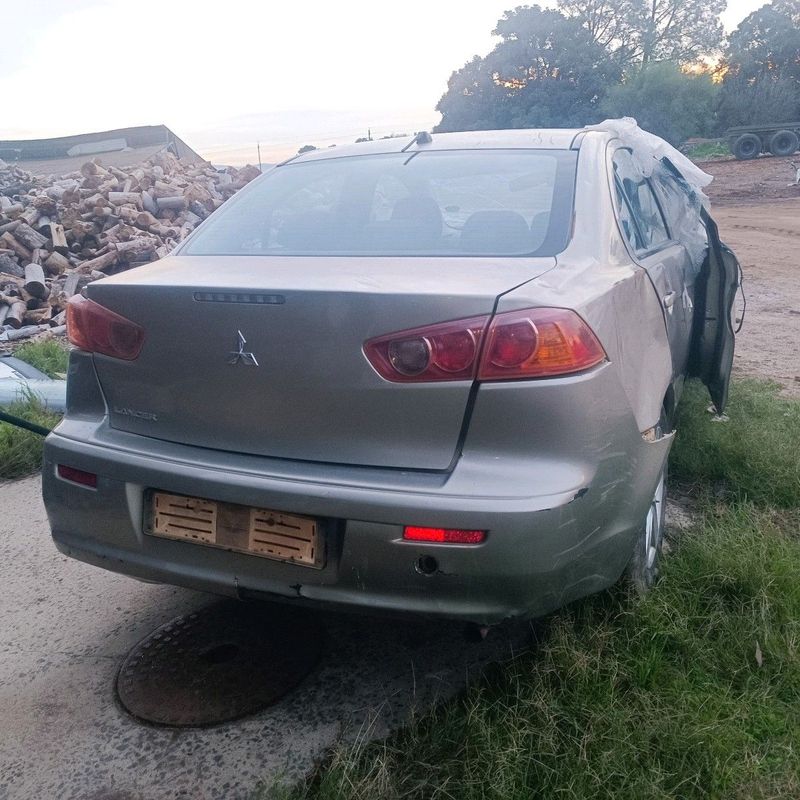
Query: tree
{"x":545,"y":71}
{"x":767,"y":42}
{"x":762,"y":67}
{"x":306,"y":148}
{"x":665,"y":101}
{"x":765,"y":99}
{"x":473,"y":100}
{"x":642,"y":31}
{"x":609,"y":23}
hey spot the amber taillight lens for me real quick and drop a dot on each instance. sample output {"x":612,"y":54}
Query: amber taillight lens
{"x":532,"y":343}
{"x":97,"y":329}
{"x":538,"y":343}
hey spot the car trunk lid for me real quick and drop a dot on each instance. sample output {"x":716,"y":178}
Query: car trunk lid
{"x":263,"y":355}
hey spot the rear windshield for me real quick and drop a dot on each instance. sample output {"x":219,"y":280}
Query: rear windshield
{"x":435,"y":203}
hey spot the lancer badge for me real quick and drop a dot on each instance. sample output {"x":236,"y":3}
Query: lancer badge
{"x":241,"y":354}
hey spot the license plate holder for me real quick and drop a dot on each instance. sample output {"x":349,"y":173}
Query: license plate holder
{"x":262,"y":532}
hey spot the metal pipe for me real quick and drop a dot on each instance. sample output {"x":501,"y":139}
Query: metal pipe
{"x":23,"y":423}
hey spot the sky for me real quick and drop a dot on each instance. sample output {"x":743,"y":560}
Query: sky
{"x":226,"y":75}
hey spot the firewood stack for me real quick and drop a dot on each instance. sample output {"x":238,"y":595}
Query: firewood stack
{"x":59,"y":233}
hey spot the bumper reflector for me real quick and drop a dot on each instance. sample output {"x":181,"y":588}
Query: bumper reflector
{"x":77,"y":476}
{"x":413,"y":533}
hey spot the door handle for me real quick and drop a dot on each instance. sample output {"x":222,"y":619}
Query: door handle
{"x":669,"y":300}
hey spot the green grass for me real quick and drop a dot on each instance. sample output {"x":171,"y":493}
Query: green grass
{"x":49,"y":356}
{"x":21,"y":450}
{"x":707,"y":150}
{"x":655,"y":698}
{"x":690,"y":692}
{"x":753,"y":456}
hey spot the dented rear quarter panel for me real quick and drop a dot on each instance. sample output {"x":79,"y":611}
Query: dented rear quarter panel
{"x":596,"y":277}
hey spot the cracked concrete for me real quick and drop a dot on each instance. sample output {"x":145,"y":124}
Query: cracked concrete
{"x":65,"y":628}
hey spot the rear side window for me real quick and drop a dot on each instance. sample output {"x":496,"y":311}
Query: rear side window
{"x":626,"y":221}
{"x":466,"y":202}
{"x":675,"y":198}
{"x":682,"y":209}
{"x":636,"y":194}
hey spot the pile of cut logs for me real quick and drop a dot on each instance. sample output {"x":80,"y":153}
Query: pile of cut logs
{"x":58,"y":233}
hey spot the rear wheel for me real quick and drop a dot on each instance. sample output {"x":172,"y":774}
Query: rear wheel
{"x":643,"y":569}
{"x":783,"y":143}
{"x":747,"y":146}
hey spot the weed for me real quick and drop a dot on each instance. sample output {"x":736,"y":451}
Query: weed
{"x":21,"y":450}
{"x":47,"y":355}
{"x":753,"y":456}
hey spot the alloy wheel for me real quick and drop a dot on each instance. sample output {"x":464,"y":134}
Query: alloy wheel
{"x":654,"y":525}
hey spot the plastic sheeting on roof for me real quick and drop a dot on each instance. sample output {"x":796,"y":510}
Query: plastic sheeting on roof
{"x":648,"y":149}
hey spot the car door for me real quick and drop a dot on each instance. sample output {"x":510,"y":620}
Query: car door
{"x":654,"y":247}
{"x":711,"y":280}
{"x":681,"y":207}
{"x":713,"y":338}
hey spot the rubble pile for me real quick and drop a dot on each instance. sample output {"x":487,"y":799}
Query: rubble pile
{"x":58,"y":233}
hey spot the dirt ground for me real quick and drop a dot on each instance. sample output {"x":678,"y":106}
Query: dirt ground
{"x":759,"y":218}
{"x":745,"y":182}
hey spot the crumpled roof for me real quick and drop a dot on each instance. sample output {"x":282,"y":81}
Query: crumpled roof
{"x":648,"y":149}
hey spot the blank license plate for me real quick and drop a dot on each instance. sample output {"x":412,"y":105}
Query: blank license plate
{"x":258,"y":531}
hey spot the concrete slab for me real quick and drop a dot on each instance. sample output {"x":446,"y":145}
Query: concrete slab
{"x":65,"y":628}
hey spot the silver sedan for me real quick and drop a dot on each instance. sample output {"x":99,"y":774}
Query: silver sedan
{"x":434,"y":375}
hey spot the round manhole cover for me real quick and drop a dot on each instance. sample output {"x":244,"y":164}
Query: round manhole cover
{"x":219,"y":664}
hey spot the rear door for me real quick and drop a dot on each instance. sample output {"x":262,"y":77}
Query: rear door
{"x":713,"y":337}
{"x":653,"y":246}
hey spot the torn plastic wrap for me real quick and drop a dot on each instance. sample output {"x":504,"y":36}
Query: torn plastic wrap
{"x":648,"y":151}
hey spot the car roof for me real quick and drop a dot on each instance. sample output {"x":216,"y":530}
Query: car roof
{"x":538,"y":138}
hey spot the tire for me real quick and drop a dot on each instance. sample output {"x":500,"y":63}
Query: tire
{"x":642,"y":571}
{"x":747,"y":146}
{"x":784,"y":143}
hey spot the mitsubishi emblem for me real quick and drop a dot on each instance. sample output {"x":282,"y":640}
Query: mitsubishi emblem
{"x":241,"y":354}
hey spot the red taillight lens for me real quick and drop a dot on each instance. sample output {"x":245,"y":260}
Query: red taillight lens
{"x":514,"y":344}
{"x":455,"y":352}
{"x":77,"y":476}
{"x":97,"y":329}
{"x":533,"y":343}
{"x":538,"y":343}
{"x":413,"y":533}
{"x":444,"y":352}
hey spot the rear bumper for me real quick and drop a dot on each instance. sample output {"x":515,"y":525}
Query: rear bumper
{"x":544,"y":548}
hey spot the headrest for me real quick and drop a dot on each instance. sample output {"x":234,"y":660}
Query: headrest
{"x":421,"y":210}
{"x":496,"y":232}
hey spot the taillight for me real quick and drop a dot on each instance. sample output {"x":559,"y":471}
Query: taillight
{"x":538,"y":343}
{"x":414,"y":533}
{"x":533,"y":343}
{"x":444,"y":352}
{"x":97,"y":329}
